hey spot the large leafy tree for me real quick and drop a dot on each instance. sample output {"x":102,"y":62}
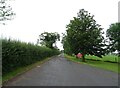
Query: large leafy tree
{"x":6,"y":12}
{"x":84,"y":35}
{"x":113,"y":33}
{"x":48,"y":39}
{"x":66,"y":45}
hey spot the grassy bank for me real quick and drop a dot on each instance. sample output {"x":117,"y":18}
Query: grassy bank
{"x":96,"y":63}
{"x":21,"y":70}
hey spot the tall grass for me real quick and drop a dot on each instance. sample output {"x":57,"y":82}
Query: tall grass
{"x":18,"y":54}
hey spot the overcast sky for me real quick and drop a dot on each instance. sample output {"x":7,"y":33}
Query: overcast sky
{"x":36,"y":16}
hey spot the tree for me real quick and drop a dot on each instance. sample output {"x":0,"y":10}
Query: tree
{"x":6,"y":12}
{"x":66,"y":45}
{"x":113,"y":33}
{"x":84,"y":35}
{"x":48,"y":39}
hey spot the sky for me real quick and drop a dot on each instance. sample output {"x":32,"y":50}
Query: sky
{"x":36,"y":16}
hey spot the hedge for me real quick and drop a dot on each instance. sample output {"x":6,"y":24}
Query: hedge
{"x":18,"y":54}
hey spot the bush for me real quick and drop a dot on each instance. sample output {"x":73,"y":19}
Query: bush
{"x":18,"y":54}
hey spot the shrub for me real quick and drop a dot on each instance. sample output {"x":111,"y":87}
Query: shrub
{"x":18,"y":54}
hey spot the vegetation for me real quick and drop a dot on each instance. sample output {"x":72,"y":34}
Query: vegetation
{"x":21,"y":70}
{"x":106,"y":58}
{"x":84,"y":35}
{"x":113,"y":33}
{"x":17,"y":54}
{"x":96,"y":63}
{"x":66,"y":45}
{"x":48,"y":39}
{"x":6,"y":12}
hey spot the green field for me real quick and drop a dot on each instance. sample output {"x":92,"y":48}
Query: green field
{"x":109,"y":58}
{"x":98,"y":62}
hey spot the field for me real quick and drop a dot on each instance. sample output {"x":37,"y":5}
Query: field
{"x":107,"y":58}
{"x":108,"y":62}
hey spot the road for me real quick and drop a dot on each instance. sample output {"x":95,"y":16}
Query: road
{"x":60,"y":72}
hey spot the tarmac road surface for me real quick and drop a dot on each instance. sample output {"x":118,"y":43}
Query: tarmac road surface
{"x":60,"y":72}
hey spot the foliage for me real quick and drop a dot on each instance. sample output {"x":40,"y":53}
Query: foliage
{"x":99,"y":64}
{"x":6,"y":12}
{"x":21,"y":70}
{"x":48,"y":39}
{"x":84,"y":35}
{"x":18,"y":54}
{"x":66,"y":45}
{"x":113,"y":33}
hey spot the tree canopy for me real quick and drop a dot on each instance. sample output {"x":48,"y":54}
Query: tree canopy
{"x":84,"y":35}
{"x":48,"y":39}
{"x":66,"y":45}
{"x":6,"y":12}
{"x":113,"y":33}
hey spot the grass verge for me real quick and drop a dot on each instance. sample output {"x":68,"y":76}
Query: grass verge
{"x":22,"y":70}
{"x":100,"y":64}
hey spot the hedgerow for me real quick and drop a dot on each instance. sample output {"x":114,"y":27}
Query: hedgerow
{"x":18,"y":54}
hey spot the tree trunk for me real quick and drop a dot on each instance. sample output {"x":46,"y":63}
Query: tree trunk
{"x":83,"y":58}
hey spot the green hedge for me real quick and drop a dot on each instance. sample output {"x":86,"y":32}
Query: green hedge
{"x":17,"y":54}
